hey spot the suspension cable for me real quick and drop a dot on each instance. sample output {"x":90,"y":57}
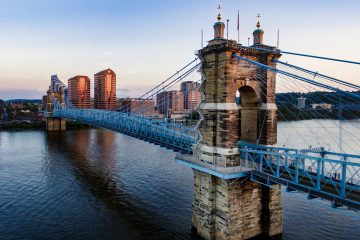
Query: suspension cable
{"x":303,"y":55}
{"x":319,"y":74}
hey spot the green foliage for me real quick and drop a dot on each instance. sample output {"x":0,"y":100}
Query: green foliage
{"x":194,"y":115}
{"x":22,"y":125}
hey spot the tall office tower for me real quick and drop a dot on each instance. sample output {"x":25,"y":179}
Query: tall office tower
{"x":105,"y":90}
{"x":144,"y":107}
{"x":178,"y":102}
{"x":164,"y":101}
{"x":79,"y":91}
{"x":169,"y":102}
{"x":192,"y":95}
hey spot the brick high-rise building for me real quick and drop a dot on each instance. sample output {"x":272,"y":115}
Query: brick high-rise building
{"x":168,"y":102}
{"x":123,"y":104}
{"x":79,"y":91}
{"x":138,"y":106}
{"x":192,"y":95}
{"x":105,"y":90}
{"x":144,"y":107}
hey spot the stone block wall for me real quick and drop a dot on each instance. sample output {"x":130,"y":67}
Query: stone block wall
{"x":55,"y":124}
{"x":234,"y":209}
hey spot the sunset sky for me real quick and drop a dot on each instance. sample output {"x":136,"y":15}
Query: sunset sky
{"x":146,"y":41}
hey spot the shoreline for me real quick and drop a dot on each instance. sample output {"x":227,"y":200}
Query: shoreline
{"x":39,"y":125}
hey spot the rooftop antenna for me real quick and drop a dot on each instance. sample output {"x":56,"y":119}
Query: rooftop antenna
{"x":278,"y":37}
{"x":202,"y":39}
{"x":238,"y":26}
{"x":227,"y":29}
{"x":219,"y":14}
{"x":258,"y":22}
{"x":248,"y":41}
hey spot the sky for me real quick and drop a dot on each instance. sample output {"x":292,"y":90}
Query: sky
{"x":145,"y":41}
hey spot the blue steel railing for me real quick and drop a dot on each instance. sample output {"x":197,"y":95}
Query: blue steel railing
{"x":329,"y":175}
{"x":177,"y":138}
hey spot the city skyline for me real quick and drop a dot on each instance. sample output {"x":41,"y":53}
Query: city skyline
{"x":66,"y":38}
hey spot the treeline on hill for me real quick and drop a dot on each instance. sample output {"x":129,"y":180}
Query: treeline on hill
{"x":332,"y":98}
{"x":33,"y":101}
{"x":344,"y":106}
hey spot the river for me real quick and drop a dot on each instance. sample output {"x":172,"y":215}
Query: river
{"x":97,"y":184}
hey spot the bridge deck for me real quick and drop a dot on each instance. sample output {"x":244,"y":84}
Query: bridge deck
{"x":331,"y":176}
{"x":328,"y":192}
{"x":178,"y":138}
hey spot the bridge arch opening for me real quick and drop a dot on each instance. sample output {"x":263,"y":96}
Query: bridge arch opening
{"x":248,"y":103}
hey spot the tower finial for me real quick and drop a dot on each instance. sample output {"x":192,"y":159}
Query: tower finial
{"x":258,"y":22}
{"x":219,"y":15}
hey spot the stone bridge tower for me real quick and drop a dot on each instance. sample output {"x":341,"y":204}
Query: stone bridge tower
{"x":54,"y":124}
{"x":234,"y":208}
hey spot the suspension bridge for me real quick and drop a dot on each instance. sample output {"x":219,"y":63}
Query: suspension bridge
{"x":241,"y":158}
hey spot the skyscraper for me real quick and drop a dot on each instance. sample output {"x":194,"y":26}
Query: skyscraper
{"x":192,"y":95}
{"x":79,"y":91}
{"x":105,"y":90}
{"x":169,"y":102}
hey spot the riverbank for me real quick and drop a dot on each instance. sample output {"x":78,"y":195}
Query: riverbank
{"x":39,"y":125}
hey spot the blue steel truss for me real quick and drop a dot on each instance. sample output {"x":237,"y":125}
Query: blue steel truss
{"x":176,"y":137}
{"x":328,"y":175}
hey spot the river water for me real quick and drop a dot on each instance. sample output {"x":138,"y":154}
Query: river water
{"x":97,"y":184}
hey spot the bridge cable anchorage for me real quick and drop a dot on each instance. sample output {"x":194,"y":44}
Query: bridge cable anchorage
{"x":303,"y":55}
{"x":319,"y":74}
{"x":297,"y":77}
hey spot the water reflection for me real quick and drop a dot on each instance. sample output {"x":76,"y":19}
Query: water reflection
{"x":92,"y":154}
{"x":95,"y":184}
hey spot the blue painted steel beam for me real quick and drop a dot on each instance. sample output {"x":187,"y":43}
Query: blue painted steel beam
{"x":175,"y":138}
{"x":335,"y":200}
{"x":299,"y":171}
{"x":212,"y":172}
